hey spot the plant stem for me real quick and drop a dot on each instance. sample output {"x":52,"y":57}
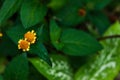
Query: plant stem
{"x":108,"y":37}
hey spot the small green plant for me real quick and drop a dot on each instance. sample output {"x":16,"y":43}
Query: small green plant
{"x":52,"y":39}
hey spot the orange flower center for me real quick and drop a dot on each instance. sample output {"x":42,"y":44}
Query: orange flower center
{"x":30,"y":36}
{"x":23,"y":44}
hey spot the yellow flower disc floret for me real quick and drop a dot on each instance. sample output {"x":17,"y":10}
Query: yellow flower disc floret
{"x":1,"y":34}
{"x":30,"y":36}
{"x":24,"y":45}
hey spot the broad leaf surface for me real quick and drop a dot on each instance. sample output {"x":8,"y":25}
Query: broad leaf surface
{"x":55,"y":33}
{"x":16,"y":33}
{"x":106,"y":65}
{"x":32,"y":13}
{"x":60,"y":69}
{"x":17,"y":68}
{"x":78,"y":43}
{"x":40,"y":50}
{"x":8,"y":8}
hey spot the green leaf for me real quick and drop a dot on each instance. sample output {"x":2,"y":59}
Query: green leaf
{"x":34,"y":74}
{"x":96,"y":4}
{"x":1,"y":78}
{"x":60,"y":70}
{"x":16,"y":33}
{"x":32,"y":13}
{"x":106,"y":65}
{"x":56,"y":5}
{"x":40,"y":50}
{"x":39,"y":31}
{"x":101,"y":4}
{"x":78,"y":43}
{"x":69,"y":14}
{"x":7,"y":46}
{"x":8,"y":8}
{"x":44,"y":34}
{"x":17,"y":68}
{"x":2,"y":65}
{"x":55,"y":33}
{"x":100,"y":21}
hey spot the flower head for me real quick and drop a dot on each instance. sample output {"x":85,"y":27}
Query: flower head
{"x":1,"y":34}
{"x":82,"y":12}
{"x":24,"y":45}
{"x":30,"y":36}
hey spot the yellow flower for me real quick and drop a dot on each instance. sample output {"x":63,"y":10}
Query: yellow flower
{"x":30,"y":36}
{"x":24,"y":45}
{"x":1,"y":34}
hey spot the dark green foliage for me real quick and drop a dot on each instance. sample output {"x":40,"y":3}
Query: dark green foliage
{"x":100,"y":21}
{"x":73,"y":42}
{"x":40,"y":50}
{"x":8,"y":9}
{"x":69,"y":14}
{"x":34,"y":74}
{"x":16,"y":33}
{"x":57,"y":4}
{"x":55,"y":33}
{"x":7,"y":46}
{"x":96,"y":4}
{"x":32,"y":12}
{"x":1,"y":78}
{"x":65,"y":36}
{"x":78,"y":43}
{"x":17,"y":67}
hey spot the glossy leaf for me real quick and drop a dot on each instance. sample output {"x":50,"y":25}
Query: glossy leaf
{"x":32,"y":13}
{"x":44,"y":34}
{"x":40,"y":50}
{"x":78,"y":43}
{"x":106,"y":65}
{"x":8,"y":8}
{"x":16,"y":33}
{"x":55,"y":33}
{"x":17,"y":68}
{"x":60,"y":70}
{"x":39,"y":31}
